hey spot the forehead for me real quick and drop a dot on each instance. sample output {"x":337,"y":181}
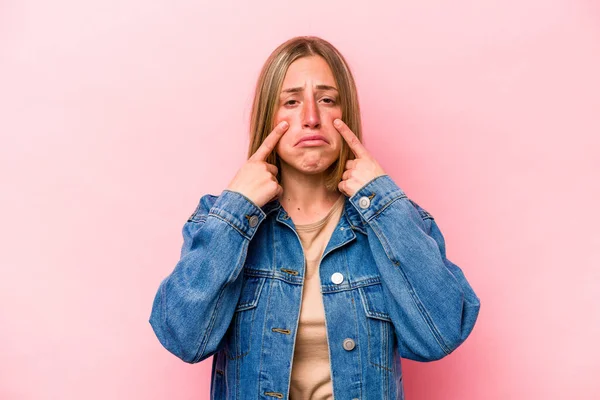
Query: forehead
{"x":312,"y":68}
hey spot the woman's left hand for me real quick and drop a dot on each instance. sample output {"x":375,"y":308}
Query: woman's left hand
{"x":360,"y":170}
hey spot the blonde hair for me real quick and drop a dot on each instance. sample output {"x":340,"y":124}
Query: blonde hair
{"x":268,"y":88}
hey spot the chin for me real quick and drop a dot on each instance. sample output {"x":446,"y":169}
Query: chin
{"x":312,"y":167}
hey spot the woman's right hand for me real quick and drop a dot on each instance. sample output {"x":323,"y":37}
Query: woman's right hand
{"x":257,"y":179}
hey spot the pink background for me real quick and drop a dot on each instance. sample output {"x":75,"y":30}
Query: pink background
{"x":116,"y":116}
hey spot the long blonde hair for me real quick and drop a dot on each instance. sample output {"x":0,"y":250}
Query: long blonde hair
{"x":268,"y":88}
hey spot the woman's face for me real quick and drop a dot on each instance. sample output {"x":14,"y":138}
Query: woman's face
{"x":309,"y":102}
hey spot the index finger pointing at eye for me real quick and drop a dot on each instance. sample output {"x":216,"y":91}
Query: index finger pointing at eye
{"x":268,"y":145}
{"x":350,"y":138}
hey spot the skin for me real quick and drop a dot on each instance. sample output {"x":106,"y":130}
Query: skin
{"x":313,"y":110}
{"x":307,"y":111}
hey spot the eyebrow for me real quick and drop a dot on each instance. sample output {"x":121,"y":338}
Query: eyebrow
{"x":299,"y":89}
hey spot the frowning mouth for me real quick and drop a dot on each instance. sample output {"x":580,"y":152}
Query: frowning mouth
{"x":312,"y":139}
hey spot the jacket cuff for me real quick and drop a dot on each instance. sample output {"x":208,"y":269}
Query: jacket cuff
{"x":238,"y":211}
{"x":375,"y":195}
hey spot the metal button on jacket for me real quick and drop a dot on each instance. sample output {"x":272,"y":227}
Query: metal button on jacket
{"x":364,"y":202}
{"x":253,"y":221}
{"x":348,"y":344}
{"x":337,"y":278}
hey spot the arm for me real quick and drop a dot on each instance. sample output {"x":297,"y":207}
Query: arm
{"x":195,"y":304}
{"x":431,"y":304}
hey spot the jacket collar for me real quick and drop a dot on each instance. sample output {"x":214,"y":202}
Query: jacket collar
{"x":353,"y":218}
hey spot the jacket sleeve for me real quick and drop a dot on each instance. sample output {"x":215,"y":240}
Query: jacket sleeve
{"x":432,"y":306}
{"x":194,"y":305}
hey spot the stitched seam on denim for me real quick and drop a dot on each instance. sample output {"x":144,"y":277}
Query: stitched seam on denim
{"x":329,"y":349}
{"x":245,"y":197}
{"x":238,"y":325}
{"x":164,"y":306}
{"x":385,"y":244}
{"x":289,"y":378}
{"x":164,"y":298}
{"x":236,"y":331}
{"x":423,"y":311}
{"x":379,"y":365}
{"x":369,"y":182}
{"x":197,"y":219}
{"x":386,"y":205}
{"x":252,"y":328}
{"x":352,"y":296}
{"x":349,"y":220}
{"x":364,"y":301}
{"x":338,"y":246}
{"x":386,"y":360}
{"x":251,"y":304}
{"x":204,"y":339}
{"x":260,"y":273}
{"x":213,"y":317}
{"x":232,"y":225}
{"x":373,"y":313}
{"x":259,"y":382}
{"x":383,"y":359}
{"x":194,"y":215}
{"x":424,"y":213}
{"x":389,"y":352}
{"x":291,"y":279}
{"x":237,"y":378}
{"x":387,"y":249}
{"x":286,"y":280}
{"x":351,"y":285}
{"x":164,"y":311}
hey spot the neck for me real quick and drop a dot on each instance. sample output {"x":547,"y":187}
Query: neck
{"x":305,"y":195}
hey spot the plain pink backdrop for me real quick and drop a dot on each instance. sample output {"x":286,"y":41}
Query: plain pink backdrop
{"x":116,"y":116}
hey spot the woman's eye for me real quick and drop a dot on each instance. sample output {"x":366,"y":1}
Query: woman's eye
{"x":288,"y":102}
{"x":329,"y":101}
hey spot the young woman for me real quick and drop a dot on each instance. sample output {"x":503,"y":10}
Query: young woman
{"x":312,"y":273}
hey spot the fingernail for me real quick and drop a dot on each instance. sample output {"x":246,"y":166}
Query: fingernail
{"x":284,"y":124}
{"x":337,"y":122}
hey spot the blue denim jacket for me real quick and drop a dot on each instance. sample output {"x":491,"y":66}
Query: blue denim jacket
{"x":236,"y":292}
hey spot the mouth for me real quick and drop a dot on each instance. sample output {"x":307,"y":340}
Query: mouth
{"x":313,"y":140}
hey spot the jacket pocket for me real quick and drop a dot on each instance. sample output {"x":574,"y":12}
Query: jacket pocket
{"x":239,"y":334}
{"x":380,"y":327}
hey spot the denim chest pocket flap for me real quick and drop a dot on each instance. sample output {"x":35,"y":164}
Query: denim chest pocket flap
{"x":239,"y":334}
{"x":379,"y":326}
{"x":251,"y":288}
{"x":374,"y":303}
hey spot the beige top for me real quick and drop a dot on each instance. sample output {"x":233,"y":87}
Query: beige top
{"x":311,"y":378}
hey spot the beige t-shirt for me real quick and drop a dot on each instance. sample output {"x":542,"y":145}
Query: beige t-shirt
{"x":311,"y":378}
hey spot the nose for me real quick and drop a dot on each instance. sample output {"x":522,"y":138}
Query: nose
{"x":310,"y":117}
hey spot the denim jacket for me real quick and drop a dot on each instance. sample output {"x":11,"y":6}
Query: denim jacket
{"x":388,"y":292}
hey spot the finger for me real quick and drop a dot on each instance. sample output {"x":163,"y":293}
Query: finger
{"x":272,"y":169}
{"x":346,"y":174}
{"x":342,"y":188}
{"x":270,"y":142}
{"x":278,"y":193}
{"x":350,"y":164}
{"x":355,"y":145}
